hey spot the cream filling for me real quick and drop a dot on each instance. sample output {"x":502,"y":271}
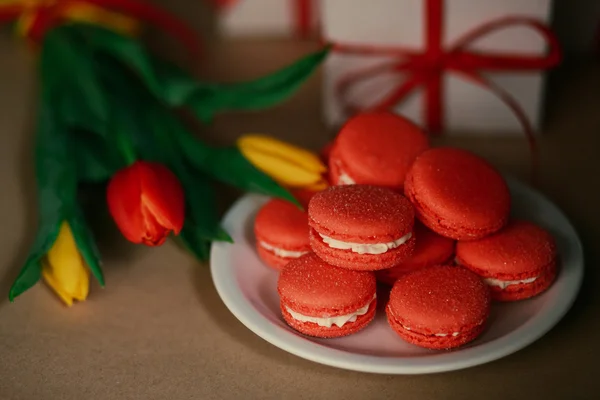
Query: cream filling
{"x":281,"y":252}
{"x":328,"y":322}
{"x":454,"y":334}
{"x":345,"y":179}
{"x":504,"y":284}
{"x":362,"y":248}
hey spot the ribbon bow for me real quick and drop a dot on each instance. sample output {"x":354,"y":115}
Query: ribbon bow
{"x":426,"y":68}
{"x":35,"y":17}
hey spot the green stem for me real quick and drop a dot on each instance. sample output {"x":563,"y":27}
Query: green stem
{"x":126,"y":148}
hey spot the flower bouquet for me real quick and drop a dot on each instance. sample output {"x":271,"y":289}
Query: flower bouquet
{"x":109,"y":111}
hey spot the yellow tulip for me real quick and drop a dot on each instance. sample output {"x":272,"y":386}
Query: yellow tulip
{"x":64,"y":269}
{"x":287,"y":164}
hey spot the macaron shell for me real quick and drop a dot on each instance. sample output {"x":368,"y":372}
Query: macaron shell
{"x":361,"y":214}
{"x":303,"y":195}
{"x":310,"y":286}
{"x":432,"y":341}
{"x":520,"y":250}
{"x":430,"y":249}
{"x":271,"y":259}
{"x":389,"y":276}
{"x":334,"y":169}
{"x":312,"y":329}
{"x":378,"y":148}
{"x":325,"y":152}
{"x":283,"y":225}
{"x":457,"y":194}
{"x":360,"y":262}
{"x":440,"y":300}
{"x":526,"y":290}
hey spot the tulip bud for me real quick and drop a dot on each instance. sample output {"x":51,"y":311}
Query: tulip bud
{"x":64,"y":269}
{"x":146,"y":201}
{"x":287,"y":164}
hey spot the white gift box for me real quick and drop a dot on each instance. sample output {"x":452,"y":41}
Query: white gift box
{"x":467,"y":107}
{"x":268,"y":18}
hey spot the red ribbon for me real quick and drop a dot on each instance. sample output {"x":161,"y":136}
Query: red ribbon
{"x":47,"y":17}
{"x":426,"y":68}
{"x":302,"y":14}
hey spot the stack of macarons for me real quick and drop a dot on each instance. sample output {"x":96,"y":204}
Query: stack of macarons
{"x":432,"y":224}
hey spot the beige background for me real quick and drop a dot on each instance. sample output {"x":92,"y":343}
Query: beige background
{"x":159,"y":330}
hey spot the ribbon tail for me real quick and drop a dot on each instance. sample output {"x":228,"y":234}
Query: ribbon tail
{"x":517,"y":110}
{"x":346,"y":82}
{"x":514,"y":61}
{"x":399,"y":94}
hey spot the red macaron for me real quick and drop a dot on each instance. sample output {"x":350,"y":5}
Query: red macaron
{"x":517,"y":263}
{"x":361,"y":227}
{"x":375,"y":148}
{"x":457,"y":194}
{"x":326,"y":152}
{"x":281,"y":231}
{"x":430,"y":249}
{"x":318,"y":299}
{"x":303,"y":195}
{"x":440,"y":307}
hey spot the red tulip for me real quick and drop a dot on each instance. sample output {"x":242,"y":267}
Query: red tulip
{"x":146,"y":201}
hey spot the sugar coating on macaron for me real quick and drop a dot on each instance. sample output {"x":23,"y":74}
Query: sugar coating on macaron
{"x":281,"y":231}
{"x":440,"y":307}
{"x":458,"y":194}
{"x":430,"y":249}
{"x":319,"y":299}
{"x":361,"y":227}
{"x":518,"y":262}
{"x":375,"y":148}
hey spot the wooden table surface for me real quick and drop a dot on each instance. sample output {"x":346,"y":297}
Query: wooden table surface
{"x":159,"y":330}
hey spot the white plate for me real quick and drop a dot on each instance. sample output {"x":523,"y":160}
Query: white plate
{"x":249,"y":289}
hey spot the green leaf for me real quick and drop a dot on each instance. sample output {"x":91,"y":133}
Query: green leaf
{"x":201,"y":202}
{"x":194,"y":242}
{"x":258,"y":94}
{"x":200,"y":195}
{"x":31,"y":271}
{"x":56,"y":192}
{"x":152,"y":128}
{"x":174,"y":87}
{"x":228,"y":165}
{"x":56,"y":175}
{"x":70,"y":82}
{"x":201,"y":207}
{"x":96,"y":160}
{"x":86,"y":244}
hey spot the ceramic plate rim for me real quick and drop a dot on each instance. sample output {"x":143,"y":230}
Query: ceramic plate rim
{"x":222,"y":272}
